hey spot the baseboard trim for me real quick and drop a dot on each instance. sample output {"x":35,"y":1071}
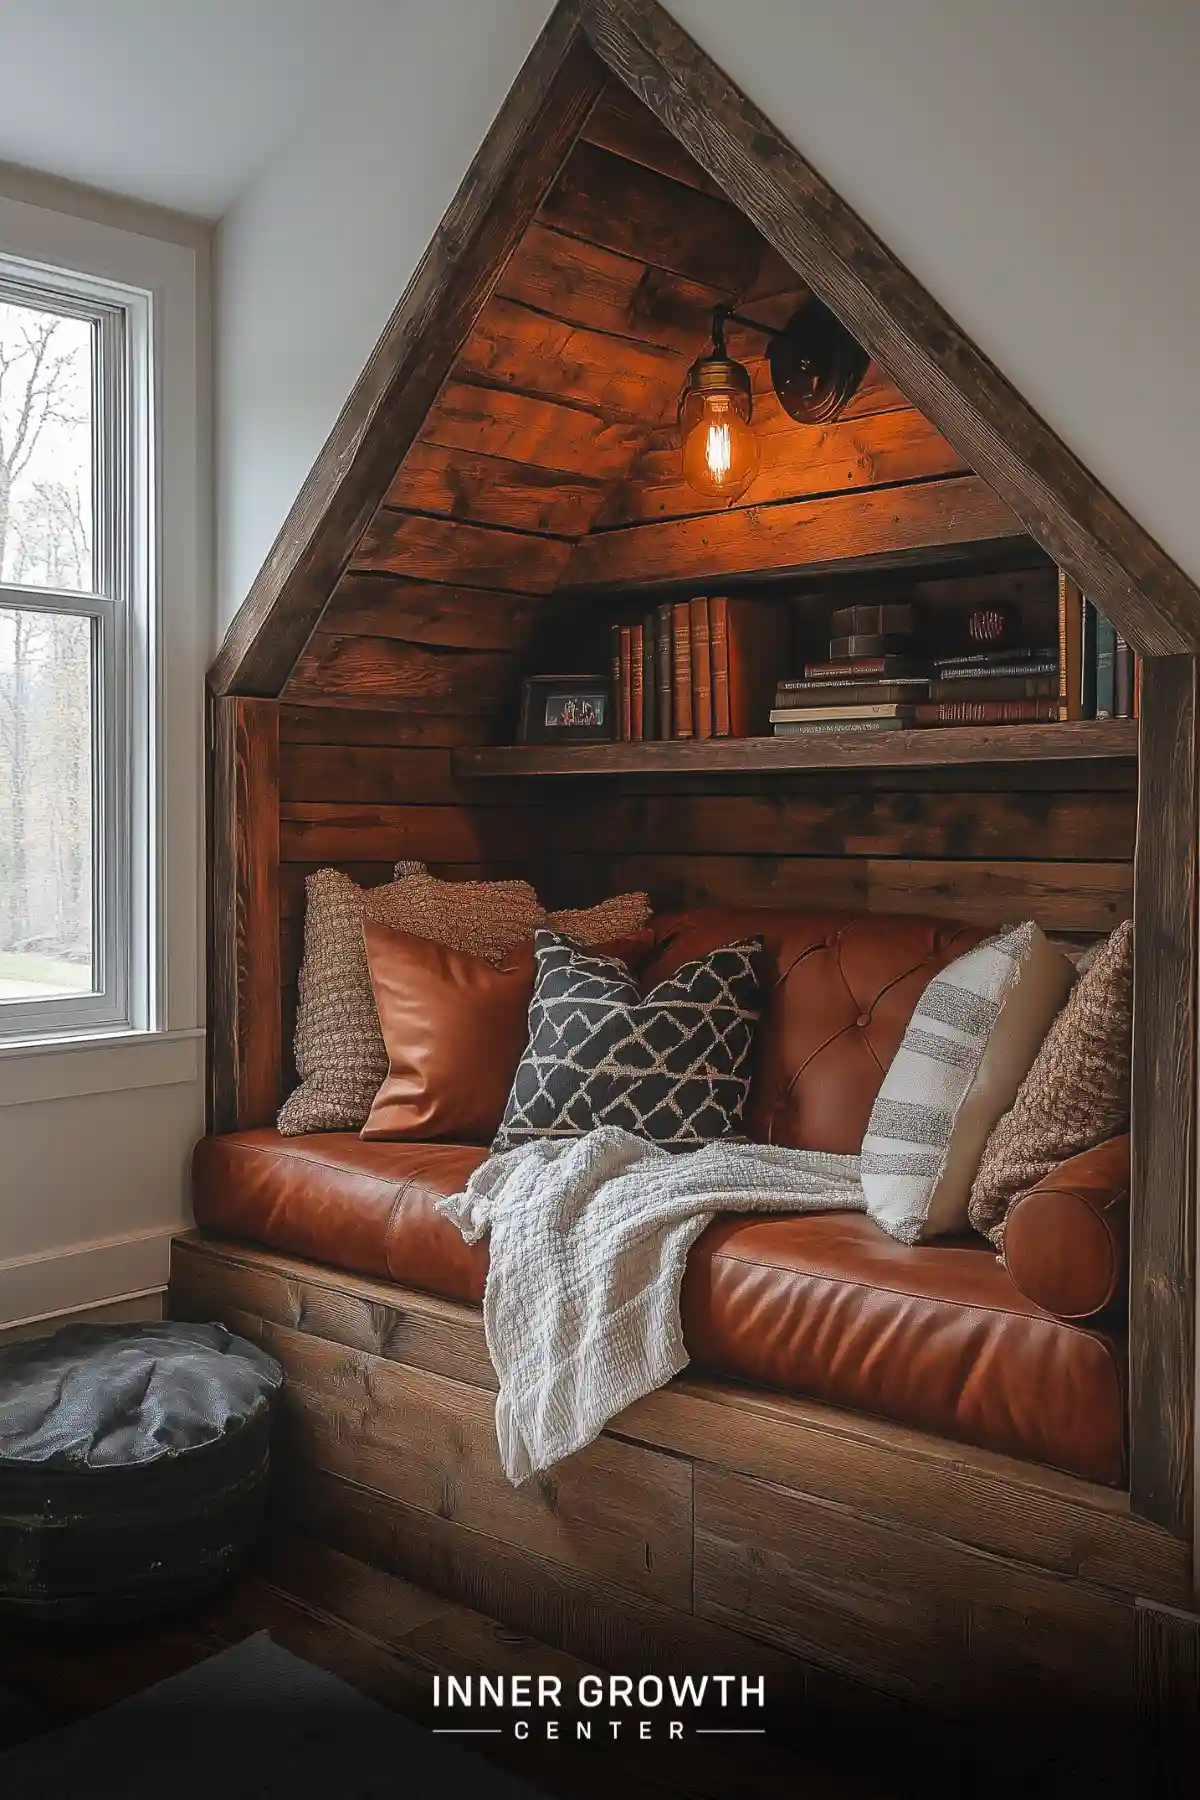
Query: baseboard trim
{"x":59,"y":1282}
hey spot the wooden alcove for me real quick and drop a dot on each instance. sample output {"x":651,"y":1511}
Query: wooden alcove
{"x":503,"y":472}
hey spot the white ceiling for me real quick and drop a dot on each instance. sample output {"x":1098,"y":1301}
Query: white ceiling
{"x":169,"y":101}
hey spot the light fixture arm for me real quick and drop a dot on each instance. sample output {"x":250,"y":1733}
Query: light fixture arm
{"x":725,"y":315}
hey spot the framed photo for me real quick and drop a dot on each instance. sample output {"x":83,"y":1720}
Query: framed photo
{"x":566,"y":709}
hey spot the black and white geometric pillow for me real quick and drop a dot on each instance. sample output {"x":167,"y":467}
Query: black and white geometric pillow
{"x":673,"y":1066}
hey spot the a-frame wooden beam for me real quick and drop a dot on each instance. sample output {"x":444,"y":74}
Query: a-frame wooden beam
{"x":1149,"y":598}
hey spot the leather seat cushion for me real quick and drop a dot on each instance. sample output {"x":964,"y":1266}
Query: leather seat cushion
{"x":339,"y":1200}
{"x":937,"y":1337}
{"x":829,"y":1307}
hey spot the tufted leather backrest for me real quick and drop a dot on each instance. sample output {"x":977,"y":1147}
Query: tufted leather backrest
{"x":839,"y":989}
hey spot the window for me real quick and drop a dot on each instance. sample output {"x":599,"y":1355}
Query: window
{"x":73,"y":784}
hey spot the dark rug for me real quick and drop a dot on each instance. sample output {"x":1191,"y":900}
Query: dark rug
{"x":254,"y":1723}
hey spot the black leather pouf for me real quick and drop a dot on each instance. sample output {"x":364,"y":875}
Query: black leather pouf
{"x":133,"y":1466}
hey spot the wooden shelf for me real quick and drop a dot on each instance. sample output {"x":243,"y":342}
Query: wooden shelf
{"x":934,"y":747}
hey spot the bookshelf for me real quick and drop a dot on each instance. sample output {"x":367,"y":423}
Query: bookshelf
{"x":941,"y":747}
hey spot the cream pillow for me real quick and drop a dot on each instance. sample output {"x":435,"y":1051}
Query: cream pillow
{"x":968,"y":1046}
{"x":340,"y":1056}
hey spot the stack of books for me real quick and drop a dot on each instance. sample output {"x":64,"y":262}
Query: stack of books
{"x":701,"y":668}
{"x":873,"y":679}
{"x":1013,"y":686}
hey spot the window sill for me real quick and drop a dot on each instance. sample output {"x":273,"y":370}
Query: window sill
{"x":108,"y":1062}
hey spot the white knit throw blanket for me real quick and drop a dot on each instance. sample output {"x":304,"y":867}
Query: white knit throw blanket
{"x":588,"y":1242}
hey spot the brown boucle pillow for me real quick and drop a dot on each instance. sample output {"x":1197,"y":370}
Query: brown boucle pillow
{"x":1076,"y":1094}
{"x":340,"y":1055}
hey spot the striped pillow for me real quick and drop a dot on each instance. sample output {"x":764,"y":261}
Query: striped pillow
{"x":969,"y":1045}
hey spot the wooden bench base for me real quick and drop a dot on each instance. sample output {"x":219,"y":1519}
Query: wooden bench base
{"x":711,"y":1527}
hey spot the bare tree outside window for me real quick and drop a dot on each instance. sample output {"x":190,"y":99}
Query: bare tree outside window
{"x":47,"y":657}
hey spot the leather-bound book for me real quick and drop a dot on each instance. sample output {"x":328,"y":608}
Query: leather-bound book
{"x":637,"y":689}
{"x":988,"y":712}
{"x":663,"y":628}
{"x":681,"y":637}
{"x":702,"y":720}
{"x":758,"y":634}
{"x":718,"y":646}
{"x":614,"y":640}
{"x":626,"y":685}
{"x":649,"y":682}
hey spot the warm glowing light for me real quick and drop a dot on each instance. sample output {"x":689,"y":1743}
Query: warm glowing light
{"x":720,"y":451}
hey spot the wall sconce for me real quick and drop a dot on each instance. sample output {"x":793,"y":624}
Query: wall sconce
{"x":815,"y":368}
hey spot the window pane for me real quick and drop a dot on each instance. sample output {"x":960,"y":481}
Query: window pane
{"x":45,"y":805}
{"x":45,"y":448}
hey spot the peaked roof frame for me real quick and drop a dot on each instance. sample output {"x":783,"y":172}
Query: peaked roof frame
{"x":1150,"y":599}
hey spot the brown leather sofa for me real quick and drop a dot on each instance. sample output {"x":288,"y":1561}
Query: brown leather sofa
{"x":938,"y":1337}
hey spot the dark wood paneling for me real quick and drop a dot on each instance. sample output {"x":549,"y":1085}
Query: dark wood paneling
{"x":604,"y":291}
{"x":393,"y":775}
{"x":1168,"y":1696}
{"x":333,"y":832}
{"x":430,"y":612}
{"x":874,"y":451}
{"x":244,"y":1045}
{"x":636,"y":212}
{"x":427,"y":549}
{"x":902,"y":1609}
{"x":620,"y":123}
{"x":519,"y":159}
{"x":578,"y":440}
{"x":1163,"y":1200}
{"x":797,"y":537}
{"x":315,"y":723}
{"x":513,"y":345}
{"x":1066,"y":897}
{"x":1115,"y":561}
{"x":876,"y":824}
{"x":492,"y":491}
{"x":378,"y":671}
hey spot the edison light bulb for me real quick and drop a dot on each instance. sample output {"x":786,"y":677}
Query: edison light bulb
{"x":720,"y":451}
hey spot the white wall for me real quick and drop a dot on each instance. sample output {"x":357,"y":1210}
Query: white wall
{"x":95,"y":1139}
{"x":1036,"y":163}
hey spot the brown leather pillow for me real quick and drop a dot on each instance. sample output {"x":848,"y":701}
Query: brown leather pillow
{"x":454,"y":1027}
{"x":1066,"y":1242}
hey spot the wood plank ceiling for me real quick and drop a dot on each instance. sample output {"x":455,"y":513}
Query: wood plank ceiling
{"x":549,"y":461}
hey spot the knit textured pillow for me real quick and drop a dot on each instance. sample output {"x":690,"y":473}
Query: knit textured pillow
{"x":1076,"y":1094}
{"x":340,"y":1056}
{"x":672,"y":1066}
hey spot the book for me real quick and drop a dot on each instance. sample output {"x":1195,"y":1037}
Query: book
{"x":637,"y":686}
{"x":757,"y":636}
{"x":818,"y":727}
{"x":998,"y":687}
{"x":851,"y":693}
{"x":1137,"y":685}
{"x":718,"y":644}
{"x":869,"y":644}
{"x":663,"y":629}
{"x":1123,"y":708}
{"x":614,"y":642}
{"x":1070,"y":649}
{"x":988,"y":712}
{"x":1034,"y":665}
{"x":1017,"y":653}
{"x":681,"y":666}
{"x":851,"y":667}
{"x":649,"y":681}
{"x":626,"y":684}
{"x":702,"y":721}
{"x":1087,"y":673}
{"x":1106,"y":656}
{"x":786,"y":715}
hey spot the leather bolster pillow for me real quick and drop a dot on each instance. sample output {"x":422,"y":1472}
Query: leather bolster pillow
{"x":1066,"y":1242}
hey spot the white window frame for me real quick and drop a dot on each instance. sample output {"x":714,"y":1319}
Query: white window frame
{"x":121,"y":606}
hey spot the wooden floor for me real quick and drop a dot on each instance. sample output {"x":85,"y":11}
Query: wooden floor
{"x":387,"y":1638}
